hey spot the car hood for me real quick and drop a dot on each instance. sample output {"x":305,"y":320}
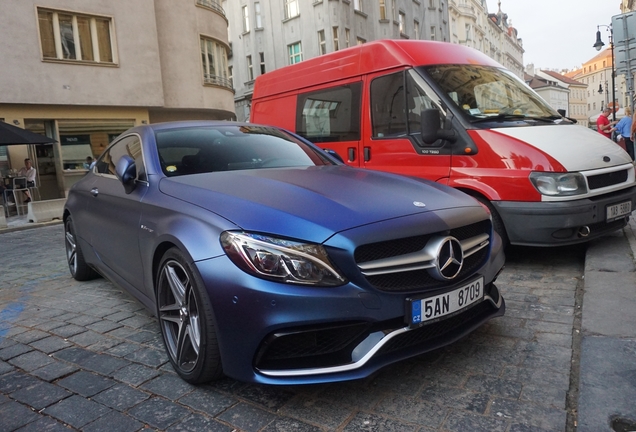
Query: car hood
{"x":311,"y":203}
{"x":575,"y":147}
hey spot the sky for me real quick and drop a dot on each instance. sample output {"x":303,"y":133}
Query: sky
{"x":558,"y":34}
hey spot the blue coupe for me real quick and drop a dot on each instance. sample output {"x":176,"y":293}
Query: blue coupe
{"x":268,"y":260}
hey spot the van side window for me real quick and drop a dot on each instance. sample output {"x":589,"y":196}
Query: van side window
{"x":388,"y":113}
{"x":394,"y":112}
{"x":330,"y":115}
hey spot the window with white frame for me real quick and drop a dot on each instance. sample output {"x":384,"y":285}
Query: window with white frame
{"x":322,"y":43}
{"x":393,"y":9}
{"x":402,"y":22}
{"x":250,"y":68}
{"x":347,"y":38}
{"x":70,"y":36}
{"x":214,"y":62}
{"x":258,"y":16}
{"x":246,"y":19}
{"x":357,"y":5}
{"x":336,"y":41}
{"x":262,"y":59}
{"x":382,"y":9}
{"x":433,"y":33}
{"x":295,"y":53}
{"x":416,"y":29}
{"x":291,"y":9}
{"x":360,"y":41}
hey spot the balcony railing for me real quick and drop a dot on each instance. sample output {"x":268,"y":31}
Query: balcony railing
{"x":218,"y":80}
{"x":212,"y":4}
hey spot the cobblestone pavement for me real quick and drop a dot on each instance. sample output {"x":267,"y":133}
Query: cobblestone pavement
{"x":86,"y":356}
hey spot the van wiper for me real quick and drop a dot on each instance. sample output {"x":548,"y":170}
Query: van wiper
{"x":500,"y":117}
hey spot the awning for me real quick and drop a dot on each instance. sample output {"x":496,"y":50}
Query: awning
{"x":11,"y":135}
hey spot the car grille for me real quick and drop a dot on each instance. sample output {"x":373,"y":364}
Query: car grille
{"x":608,"y":179}
{"x":419,"y":280}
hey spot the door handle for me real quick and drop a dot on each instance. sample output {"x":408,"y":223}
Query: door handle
{"x":352,"y":154}
{"x":94,"y":192}
{"x":367,"y":154}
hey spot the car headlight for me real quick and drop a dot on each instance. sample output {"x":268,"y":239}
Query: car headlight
{"x":280,"y":259}
{"x":559,"y":184}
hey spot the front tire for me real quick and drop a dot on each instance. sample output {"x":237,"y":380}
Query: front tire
{"x":186,"y":320}
{"x":74,"y":256}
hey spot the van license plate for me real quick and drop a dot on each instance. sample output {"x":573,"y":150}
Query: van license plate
{"x":617,"y":210}
{"x":430,"y":308}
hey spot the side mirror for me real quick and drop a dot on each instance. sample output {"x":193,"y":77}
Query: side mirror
{"x":126,"y":172}
{"x":430,"y":126}
{"x":333,"y":154}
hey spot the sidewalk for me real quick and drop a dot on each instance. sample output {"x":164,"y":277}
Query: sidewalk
{"x":607,"y":384}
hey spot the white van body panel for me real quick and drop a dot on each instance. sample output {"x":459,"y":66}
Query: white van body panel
{"x":575,"y":147}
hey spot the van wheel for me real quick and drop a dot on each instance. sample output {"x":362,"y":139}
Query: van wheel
{"x":496,"y":220}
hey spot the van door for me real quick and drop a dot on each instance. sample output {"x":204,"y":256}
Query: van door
{"x":392,"y":139}
{"x":330,"y":117}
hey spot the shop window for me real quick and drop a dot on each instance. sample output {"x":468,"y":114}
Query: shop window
{"x":75,"y":37}
{"x":75,"y":151}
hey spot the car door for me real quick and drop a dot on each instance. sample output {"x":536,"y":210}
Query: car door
{"x":116,"y":215}
{"x":392,"y":137}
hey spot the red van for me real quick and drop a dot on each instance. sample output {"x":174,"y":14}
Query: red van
{"x":451,"y":114}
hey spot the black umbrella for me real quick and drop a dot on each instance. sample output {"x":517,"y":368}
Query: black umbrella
{"x":10,"y":135}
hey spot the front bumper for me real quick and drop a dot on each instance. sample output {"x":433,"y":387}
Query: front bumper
{"x":273,"y":333}
{"x":561,"y":223}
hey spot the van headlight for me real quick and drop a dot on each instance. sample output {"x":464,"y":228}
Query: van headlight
{"x":281,"y":260}
{"x":559,"y":184}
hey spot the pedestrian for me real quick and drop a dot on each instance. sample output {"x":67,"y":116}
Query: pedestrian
{"x":624,"y":129}
{"x":603,"y":124}
{"x":29,"y":172}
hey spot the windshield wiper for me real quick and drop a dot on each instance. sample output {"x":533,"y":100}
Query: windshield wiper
{"x":499,"y":117}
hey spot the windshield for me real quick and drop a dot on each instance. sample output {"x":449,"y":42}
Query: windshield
{"x":201,"y":149}
{"x":488,"y":93}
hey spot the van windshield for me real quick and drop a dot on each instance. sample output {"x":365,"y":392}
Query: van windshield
{"x":487,"y":93}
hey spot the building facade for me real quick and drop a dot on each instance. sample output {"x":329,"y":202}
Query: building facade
{"x":577,"y":95}
{"x":267,"y":35}
{"x":490,"y":33}
{"x":550,"y":91}
{"x":596,"y":73}
{"x":86,"y":71}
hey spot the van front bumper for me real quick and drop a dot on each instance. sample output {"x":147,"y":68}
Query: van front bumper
{"x":562,"y":223}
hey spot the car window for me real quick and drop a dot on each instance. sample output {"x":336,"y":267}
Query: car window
{"x":131,"y":146}
{"x":194,"y":150}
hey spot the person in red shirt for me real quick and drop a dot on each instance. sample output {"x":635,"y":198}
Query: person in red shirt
{"x":603,"y":125}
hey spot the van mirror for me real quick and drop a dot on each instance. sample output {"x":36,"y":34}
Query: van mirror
{"x":431,"y":128}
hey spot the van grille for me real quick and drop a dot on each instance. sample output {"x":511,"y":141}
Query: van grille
{"x":608,"y":179}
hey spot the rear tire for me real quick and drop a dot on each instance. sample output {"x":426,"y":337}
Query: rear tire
{"x":74,"y":256}
{"x":186,"y":320}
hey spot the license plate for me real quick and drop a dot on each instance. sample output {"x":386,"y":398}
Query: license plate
{"x":617,"y":210}
{"x":430,"y":308}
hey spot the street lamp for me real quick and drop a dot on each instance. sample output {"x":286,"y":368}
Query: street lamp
{"x":598,"y":45}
